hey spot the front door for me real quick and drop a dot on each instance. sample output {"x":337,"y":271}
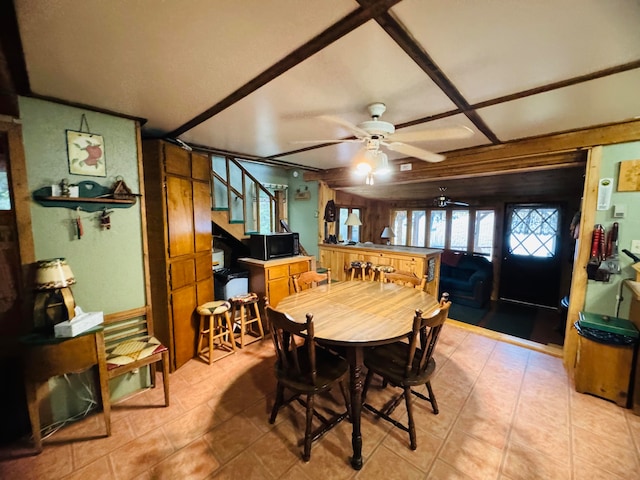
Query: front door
{"x":531,"y":267}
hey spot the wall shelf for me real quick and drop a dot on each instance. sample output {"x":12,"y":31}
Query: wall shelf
{"x":92,"y":198}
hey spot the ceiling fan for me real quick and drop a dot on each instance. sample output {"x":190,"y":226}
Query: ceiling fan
{"x":376,"y":133}
{"x":442,"y":200}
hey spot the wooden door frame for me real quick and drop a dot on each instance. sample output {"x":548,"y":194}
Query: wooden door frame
{"x":22,"y":208}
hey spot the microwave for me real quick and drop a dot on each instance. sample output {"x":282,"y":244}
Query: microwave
{"x":268,"y":246}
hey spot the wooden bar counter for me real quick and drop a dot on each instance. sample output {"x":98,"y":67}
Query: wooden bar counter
{"x":421,"y":261}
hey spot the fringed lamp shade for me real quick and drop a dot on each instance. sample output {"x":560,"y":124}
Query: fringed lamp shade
{"x":54,"y":302}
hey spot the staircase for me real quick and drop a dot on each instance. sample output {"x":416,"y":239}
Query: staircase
{"x":239,"y":203}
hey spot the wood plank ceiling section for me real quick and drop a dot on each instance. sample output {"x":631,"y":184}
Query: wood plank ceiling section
{"x":251,"y":78}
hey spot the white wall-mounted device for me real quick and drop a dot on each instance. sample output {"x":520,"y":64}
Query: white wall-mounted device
{"x":619,"y":211}
{"x":605,"y":188}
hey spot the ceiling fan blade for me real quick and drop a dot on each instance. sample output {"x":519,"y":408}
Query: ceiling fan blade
{"x":357,"y":131}
{"x":346,"y":140}
{"x":414,"y":151}
{"x":459,"y":204}
{"x":446,"y":133}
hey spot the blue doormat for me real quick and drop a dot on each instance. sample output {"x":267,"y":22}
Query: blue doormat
{"x":512,"y":319}
{"x":470,"y":315}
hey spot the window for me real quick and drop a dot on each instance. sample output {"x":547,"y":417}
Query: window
{"x":348,"y":233}
{"x":399,"y":222}
{"x":463,"y":229}
{"x":438,"y":229}
{"x":483,"y":231}
{"x":459,"y":230}
{"x":418,"y":228}
{"x":5,"y":198}
{"x":534,"y":232}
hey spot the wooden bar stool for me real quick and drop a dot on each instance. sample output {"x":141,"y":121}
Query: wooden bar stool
{"x":219,"y":327}
{"x":378,"y":272}
{"x":246,"y":314}
{"x":358,"y":268}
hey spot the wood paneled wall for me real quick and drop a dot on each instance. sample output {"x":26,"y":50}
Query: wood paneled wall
{"x":374,"y":217}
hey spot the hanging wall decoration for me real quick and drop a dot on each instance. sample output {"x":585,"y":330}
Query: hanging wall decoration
{"x":86,"y":151}
{"x":629,"y":177}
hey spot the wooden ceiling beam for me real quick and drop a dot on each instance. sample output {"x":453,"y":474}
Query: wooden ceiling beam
{"x":554,"y":151}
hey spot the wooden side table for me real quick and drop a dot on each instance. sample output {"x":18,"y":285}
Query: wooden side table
{"x":45,"y":357}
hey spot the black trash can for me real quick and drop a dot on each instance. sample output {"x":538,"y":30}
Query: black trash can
{"x":229,"y":282}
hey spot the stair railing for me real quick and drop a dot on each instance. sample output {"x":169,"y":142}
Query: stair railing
{"x":242,"y":193}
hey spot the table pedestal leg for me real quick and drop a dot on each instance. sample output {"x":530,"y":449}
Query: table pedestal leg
{"x":355,"y":371}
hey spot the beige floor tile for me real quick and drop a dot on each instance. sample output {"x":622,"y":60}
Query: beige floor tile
{"x":232,"y":437}
{"x":90,"y":450}
{"x":546,"y":438}
{"x":140,"y":455}
{"x":385,"y":463}
{"x":195,"y":461}
{"x":53,"y":463}
{"x":605,"y":452}
{"x":522,"y":463}
{"x":242,"y":467}
{"x":190,"y":425}
{"x":98,"y":470}
{"x":485,"y":423}
{"x":444,"y":471}
{"x":471,"y":456}
{"x":423,"y":456}
{"x":506,"y":413}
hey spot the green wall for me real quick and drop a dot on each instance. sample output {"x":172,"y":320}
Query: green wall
{"x":108,"y":264}
{"x":302,"y":214}
{"x":601,"y":296}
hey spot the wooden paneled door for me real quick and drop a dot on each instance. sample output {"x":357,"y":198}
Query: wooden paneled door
{"x":531,"y":266}
{"x":177,"y":183}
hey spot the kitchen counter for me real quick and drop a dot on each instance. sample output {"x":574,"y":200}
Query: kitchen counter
{"x":420,"y":261}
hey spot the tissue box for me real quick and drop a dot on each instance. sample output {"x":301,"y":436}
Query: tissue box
{"x":78,"y":324}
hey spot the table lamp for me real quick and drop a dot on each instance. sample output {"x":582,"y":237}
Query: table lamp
{"x":387,"y":234}
{"x":53,"y":301}
{"x":352,"y":221}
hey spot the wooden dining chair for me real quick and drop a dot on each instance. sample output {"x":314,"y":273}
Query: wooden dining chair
{"x":310,"y":279}
{"x":406,"y":278}
{"x":130,"y":345}
{"x":407,"y":365}
{"x":306,"y":371}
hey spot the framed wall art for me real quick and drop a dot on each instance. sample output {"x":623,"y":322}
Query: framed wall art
{"x":86,"y":154}
{"x":629,"y":177}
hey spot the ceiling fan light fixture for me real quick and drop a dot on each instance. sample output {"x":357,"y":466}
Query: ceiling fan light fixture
{"x":363,"y":167}
{"x":369,"y":179}
{"x":382,"y":165}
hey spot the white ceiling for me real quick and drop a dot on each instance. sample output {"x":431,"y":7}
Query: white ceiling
{"x":210,"y":69}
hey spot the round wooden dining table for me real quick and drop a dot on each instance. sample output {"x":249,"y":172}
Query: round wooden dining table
{"x":355,"y":315}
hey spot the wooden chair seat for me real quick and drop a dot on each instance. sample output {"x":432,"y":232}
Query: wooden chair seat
{"x":133,"y":351}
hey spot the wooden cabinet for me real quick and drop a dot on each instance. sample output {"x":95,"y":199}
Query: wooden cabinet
{"x":421,"y":261}
{"x":178,"y":218}
{"x":272,"y":278}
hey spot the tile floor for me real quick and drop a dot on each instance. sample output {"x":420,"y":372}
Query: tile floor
{"x":506,"y":412}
